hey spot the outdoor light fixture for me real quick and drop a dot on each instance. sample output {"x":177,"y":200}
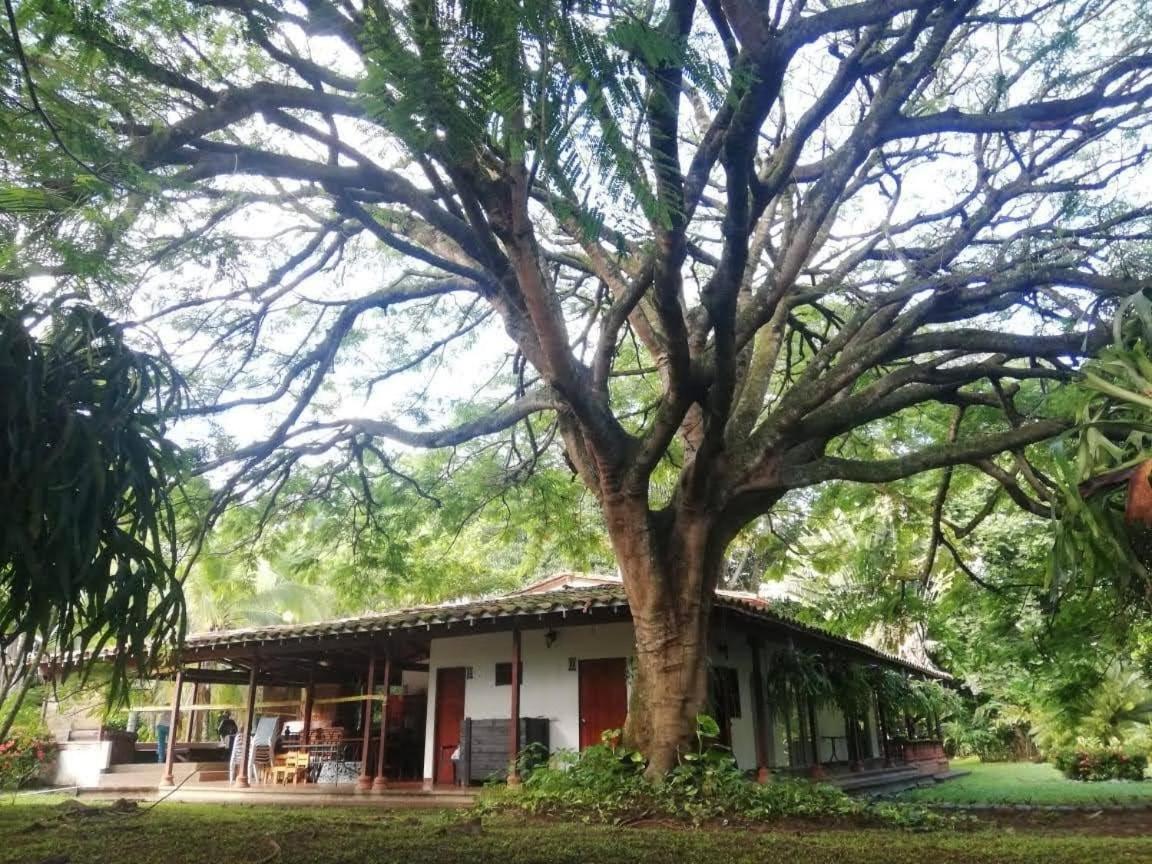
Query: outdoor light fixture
{"x":550,"y":637}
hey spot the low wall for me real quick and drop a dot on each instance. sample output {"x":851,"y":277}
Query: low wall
{"x":925,"y":754}
{"x":80,"y":763}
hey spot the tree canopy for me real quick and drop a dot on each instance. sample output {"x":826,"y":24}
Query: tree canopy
{"x":697,"y":251}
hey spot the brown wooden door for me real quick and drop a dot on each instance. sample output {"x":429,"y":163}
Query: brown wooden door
{"x":603,"y":697}
{"x":449,"y":719}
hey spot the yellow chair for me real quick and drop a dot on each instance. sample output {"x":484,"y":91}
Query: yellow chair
{"x":292,"y":768}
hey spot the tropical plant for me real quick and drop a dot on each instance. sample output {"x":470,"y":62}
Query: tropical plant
{"x":87,"y":536}
{"x":605,"y":783}
{"x":1101,"y":763}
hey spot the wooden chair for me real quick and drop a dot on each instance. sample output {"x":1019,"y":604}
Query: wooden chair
{"x":292,"y":768}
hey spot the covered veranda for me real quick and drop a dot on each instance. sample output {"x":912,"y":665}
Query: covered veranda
{"x":336,"y":712}
{"x":334,"y":707}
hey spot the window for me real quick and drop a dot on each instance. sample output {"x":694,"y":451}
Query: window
{"x":504,"y":674}
{"x":725,"y":693}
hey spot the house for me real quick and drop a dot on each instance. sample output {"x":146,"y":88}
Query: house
{"x":443,"y":695}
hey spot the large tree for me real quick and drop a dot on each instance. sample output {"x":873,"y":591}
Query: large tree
{"x":710,"y":241}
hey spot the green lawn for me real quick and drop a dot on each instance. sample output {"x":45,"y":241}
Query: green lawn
{"x":1027,"y":783}
{"x":237,"y":834}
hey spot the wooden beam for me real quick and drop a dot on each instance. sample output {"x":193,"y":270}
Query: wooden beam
{"x":514,"y":732}
{"x":381,"y":782}
{"x":365,"y":782}
{"x":248,"y":730}
{"x":174,"y":722}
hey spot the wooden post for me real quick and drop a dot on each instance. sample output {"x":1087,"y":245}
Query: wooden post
{"x":853,"y":741}
{"x":884,"y":731}
{"x":792,"y":761}
{"x":173,"y":724}
{"x":817,"y":770}
{"x":365,"y":782}
{"x":514,"y":732}
{"x":248,"y":729}
{"x":379,"y":784}
{"x":309,"y":699}
{"x":867,"y":751}
{"x":763,"y":771}
{"x":188,"y":730}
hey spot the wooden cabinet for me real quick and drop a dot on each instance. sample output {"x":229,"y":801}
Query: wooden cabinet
{"x":485,"y":745}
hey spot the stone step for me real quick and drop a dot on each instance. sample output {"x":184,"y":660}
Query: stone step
{"x":144,"y":767}
{"x":144,"y":776}
{"x":883,"y":782}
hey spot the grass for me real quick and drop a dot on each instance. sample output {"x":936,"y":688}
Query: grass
{"x":1027,"y":783}
{"x":238,"y":834}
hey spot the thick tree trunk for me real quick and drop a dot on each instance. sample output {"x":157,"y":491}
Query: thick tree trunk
{"x":670,"y":567}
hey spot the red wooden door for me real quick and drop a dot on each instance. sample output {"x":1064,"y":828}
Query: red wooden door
{"x":449,"y":718}
{"x":603,"y":697}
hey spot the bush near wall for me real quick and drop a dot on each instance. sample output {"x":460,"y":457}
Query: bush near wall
{"x":24,"y":758}
{"x":1096,"y":764}
{"x":606,"y":783}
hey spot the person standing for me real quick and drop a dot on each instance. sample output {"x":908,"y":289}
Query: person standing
{"x":227,"y":730}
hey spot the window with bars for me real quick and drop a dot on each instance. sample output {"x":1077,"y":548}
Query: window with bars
{"x":504,"y":674}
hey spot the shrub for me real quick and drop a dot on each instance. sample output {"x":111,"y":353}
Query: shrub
{"x":605,"y":783}
{"x":22,"y":759}
{"x":1093,"y":764}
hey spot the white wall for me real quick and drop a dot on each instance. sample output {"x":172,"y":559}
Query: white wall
{"x":830,"y":721}
{"x":549,"y":689}
{"x":80,"y":763}
{"x":414,"y":681}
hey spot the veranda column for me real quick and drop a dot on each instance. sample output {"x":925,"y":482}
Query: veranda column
{"x":170,"y":755}
{"x":309,"y":700}
{"x":852,"y":740}
{"x":883,"y":731}
{"x":817,"y":770}
{"x":514,"y":732}
{"x":248,"y":729}
{"x":365,"y":782}
{"x":867,"y":751}
{"x":381,"y":782}
{"x":759,"y":724}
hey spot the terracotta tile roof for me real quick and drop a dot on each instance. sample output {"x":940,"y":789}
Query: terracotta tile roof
{"x":564,"y":600}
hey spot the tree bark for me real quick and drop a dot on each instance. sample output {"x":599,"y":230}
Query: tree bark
{"x":670,"y":565}
{"x":28,"y":675}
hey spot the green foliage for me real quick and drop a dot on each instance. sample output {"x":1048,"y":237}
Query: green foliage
{"x":1099,"y":763}
{"x":606,"y":783}
{"x":988,"y":733}
{"x":23,"y":759}
{"x":428,"y":529}
{"x":88,"y":532}
{"x":532,"y":80}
